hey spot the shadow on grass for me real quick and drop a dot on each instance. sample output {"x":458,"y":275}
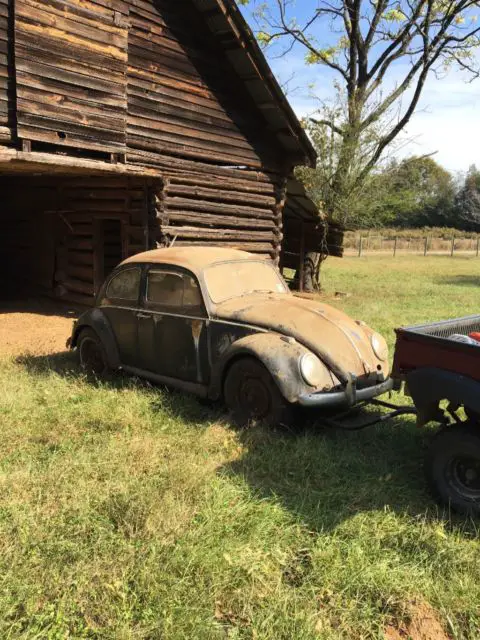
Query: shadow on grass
{"x":183,"y":405}
{"x":322,"y":476}
{"x":459,"y":280}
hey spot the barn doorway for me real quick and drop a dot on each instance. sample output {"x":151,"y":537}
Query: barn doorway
{"x":109,"y":246}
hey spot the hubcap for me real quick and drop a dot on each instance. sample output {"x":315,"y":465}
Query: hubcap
{"x":254,"y":397}
{"x":464,"y":473}
{"x":90,"y":356}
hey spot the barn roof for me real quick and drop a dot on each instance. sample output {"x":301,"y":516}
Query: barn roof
{"x":226,"y":22}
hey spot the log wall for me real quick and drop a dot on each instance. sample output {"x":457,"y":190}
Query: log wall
{"x":239,"y":210}
{"x":7,"y":84}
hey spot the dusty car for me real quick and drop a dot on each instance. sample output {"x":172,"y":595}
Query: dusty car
{"x":223,"y":324}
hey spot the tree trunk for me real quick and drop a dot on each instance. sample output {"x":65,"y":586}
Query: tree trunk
{"x":311,"y":271}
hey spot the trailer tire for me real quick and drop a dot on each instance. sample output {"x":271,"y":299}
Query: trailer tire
{"x":452,"y":468}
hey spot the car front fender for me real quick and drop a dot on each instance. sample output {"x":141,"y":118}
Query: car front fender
{"x":96,"y":320}
{"x":429,"y":385}
{"x":279,"y":355}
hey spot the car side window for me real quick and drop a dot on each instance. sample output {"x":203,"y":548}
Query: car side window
{"x":175,"y":292}
{"x":165,"y":289}
{"x":125,"y":285}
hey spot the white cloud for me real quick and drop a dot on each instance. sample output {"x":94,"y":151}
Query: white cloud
{"x":447,"y":122}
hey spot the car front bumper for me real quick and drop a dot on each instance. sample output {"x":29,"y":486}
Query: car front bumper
{"x":347,"y":397}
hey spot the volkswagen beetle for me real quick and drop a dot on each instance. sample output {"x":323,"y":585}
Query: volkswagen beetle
{"x":223,"y":324}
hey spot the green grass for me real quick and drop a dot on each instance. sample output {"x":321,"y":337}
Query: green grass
{"x":131,"y":512}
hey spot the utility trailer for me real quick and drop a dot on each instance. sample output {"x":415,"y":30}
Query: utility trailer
{"x":442,"y":376}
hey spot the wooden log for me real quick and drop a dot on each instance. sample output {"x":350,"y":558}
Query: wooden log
{"x":217,"y":234}
{"x":262,"y":247}
{"x":239,"y":184}
{"x":190,"y":217}
{"x":205,"y":193}
{"x":231,"y":210}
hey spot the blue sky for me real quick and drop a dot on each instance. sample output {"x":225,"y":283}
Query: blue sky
{"x":447,"y":121}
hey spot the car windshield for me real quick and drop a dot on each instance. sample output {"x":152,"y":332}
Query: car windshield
{"x":233,"y":279}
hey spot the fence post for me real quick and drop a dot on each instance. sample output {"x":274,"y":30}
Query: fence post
{"x":360,"y":247}
{"x":395,"y":246}
{"x":453,"y":246}
{"x":426,"y":246}
{"x":478,"y":245}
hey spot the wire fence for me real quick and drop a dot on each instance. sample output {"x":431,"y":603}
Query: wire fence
{"x":426,"y":245}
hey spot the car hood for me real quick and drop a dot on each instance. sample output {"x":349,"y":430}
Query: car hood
{"x":342,"y":343}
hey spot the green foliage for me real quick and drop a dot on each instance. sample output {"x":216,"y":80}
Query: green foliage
{"x":467,"y":204}
{"x":413,"y":193}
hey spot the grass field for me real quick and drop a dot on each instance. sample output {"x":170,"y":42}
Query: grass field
{"x":133,"y":513}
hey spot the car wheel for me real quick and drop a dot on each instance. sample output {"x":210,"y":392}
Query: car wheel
{"x":91,"y":353}
{"x":252,"y":395}
{"x":453,"y":468}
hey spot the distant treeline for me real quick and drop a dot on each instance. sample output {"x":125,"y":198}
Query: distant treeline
{"x":418,"y":193}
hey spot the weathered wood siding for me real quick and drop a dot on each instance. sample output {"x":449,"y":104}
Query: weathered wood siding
{"x":7,"y":84}
{"x":71,"y":60}
{"x":183,"y":98}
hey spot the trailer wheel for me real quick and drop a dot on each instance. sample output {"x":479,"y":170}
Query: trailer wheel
{"x":453,"y":468}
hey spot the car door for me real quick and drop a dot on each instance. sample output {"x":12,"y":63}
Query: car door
{"x":119,"y":302}
{"x":172,"y":325}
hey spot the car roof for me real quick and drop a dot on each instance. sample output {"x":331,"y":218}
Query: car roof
{"x":193,"y":258}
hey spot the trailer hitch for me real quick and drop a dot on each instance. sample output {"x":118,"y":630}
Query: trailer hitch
{"x":395,"y":411}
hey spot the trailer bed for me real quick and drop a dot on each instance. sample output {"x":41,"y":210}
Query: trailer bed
{"x":430,"y":345}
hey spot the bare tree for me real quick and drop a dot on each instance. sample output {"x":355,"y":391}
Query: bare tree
{"x":381,"y":53}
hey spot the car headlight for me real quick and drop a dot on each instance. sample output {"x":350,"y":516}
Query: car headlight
{"x":379,"y":346}
{"x":312,"y":369}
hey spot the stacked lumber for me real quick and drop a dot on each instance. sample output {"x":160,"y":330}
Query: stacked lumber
{"x":181,"y":95}
{"x":7,"y":97}
{"x":71,"y":60}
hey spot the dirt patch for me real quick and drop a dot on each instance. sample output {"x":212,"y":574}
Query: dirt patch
{"x":423,"y":625}
{"x":36,"y":326}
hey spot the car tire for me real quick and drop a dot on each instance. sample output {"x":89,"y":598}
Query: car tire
{"x":452,"y":468}
{"x":91,"y":353}
{"x":251,"y":395}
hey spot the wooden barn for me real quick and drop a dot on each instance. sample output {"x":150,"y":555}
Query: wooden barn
{"x":130,"y":124}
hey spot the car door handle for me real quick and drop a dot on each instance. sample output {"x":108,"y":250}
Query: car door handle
{"x":143,"y":315}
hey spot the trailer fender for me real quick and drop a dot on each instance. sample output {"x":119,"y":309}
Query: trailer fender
{"x":428,"y":386}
